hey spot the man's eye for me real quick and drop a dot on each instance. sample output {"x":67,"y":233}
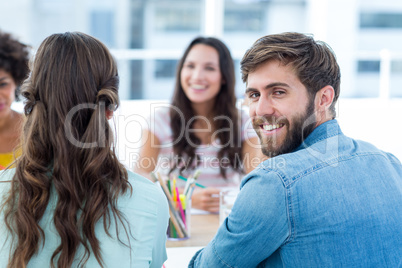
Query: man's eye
{"x":279,"y":92}
{"x":253,"y":95}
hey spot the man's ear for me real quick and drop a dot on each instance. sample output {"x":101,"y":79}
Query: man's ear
{"x":324,"y":98}
{"x":109,"y":114}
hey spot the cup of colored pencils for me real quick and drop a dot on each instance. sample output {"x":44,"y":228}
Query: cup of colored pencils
{"x":179,"y":227}
{"x":179,"y":207}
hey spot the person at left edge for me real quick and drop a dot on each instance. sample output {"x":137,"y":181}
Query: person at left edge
{"x":14,"y":57}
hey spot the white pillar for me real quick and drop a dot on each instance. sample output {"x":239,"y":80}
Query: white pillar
{"x":317,"y":16}
{"x":385,"y":73}
{"x":122,"y":41}
{"x":213,"y":18}
{"x":336,"y":22}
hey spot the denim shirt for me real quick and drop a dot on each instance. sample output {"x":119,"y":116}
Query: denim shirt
{"x":333,"y":202}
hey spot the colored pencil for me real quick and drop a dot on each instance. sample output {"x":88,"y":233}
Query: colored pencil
{"x":177,"y":222}
{"x":197,"y":184}
{"x":181,"y":208}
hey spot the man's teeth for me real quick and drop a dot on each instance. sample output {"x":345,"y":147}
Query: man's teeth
{"x":271,"y":127}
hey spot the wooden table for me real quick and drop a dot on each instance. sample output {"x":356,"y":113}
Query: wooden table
{"x":203,"y":229}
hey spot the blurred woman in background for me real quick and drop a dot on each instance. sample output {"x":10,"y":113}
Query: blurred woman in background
{"x":202,"y":129}
{"x":14,"y":57}
{"x":69,"y":202}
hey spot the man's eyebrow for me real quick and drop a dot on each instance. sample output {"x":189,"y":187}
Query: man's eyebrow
{"x":275,"y":84}
{"x":250,"y":89}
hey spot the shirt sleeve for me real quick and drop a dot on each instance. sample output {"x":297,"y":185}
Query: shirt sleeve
{"x":148,"y":215}
{"x":5,"y":244}
{"x":159,"y":255}
{"x":254,"y":230}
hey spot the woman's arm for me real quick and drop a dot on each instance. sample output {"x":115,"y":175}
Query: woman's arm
{"x":206,"y":199}
{"x":148,"y":154}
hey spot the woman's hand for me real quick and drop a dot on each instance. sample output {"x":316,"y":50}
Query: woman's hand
{"x":206,"y":199}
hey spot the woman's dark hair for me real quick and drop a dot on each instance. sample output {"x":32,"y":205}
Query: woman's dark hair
{"x":67,"y":151}
{"x":14,"y":58}
{"x":225,"y":108}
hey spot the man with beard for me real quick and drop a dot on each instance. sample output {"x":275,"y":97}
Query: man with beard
{"x":322,"y":199}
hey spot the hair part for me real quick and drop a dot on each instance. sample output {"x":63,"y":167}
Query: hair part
{"x":314,"y":62}
{"x":69,"y":70}
{"x":225,"y":104}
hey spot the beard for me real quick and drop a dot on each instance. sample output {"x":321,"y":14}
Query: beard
{"x":302,"y":125}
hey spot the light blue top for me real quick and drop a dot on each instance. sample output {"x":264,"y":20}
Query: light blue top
{"x":146,"y":211}
{"x":334,"y":202}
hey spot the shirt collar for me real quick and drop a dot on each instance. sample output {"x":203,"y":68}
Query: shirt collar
{"x":324,"y":131}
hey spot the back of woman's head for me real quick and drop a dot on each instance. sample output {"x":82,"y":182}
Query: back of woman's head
{"x":67,"y":144}
{"x":73,"y":78}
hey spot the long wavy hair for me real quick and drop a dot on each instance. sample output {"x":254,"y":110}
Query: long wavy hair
{"x":225,"y":107}
{"x":67,"y":151}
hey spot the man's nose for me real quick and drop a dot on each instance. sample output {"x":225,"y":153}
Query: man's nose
{"x":265,"y":106}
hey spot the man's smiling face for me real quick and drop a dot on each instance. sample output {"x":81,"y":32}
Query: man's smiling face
{"x":280,"y":107}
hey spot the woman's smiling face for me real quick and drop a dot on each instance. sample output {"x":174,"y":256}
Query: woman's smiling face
{"x":200,"y":76}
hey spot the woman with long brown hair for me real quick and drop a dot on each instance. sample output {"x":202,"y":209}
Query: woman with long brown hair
{"x":202,"y":129}
{"x":69,"y":202}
